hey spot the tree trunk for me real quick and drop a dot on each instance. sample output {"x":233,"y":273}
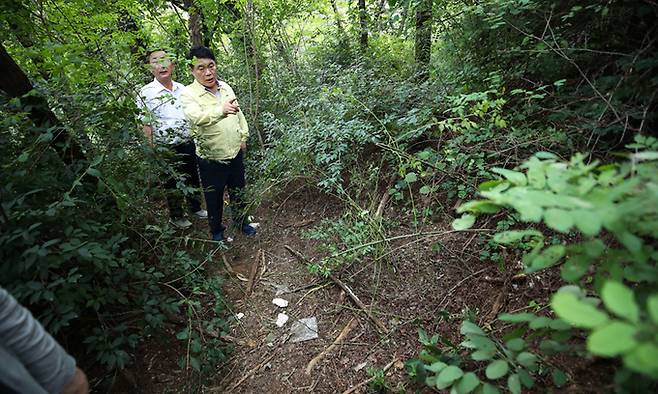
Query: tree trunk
{"x":423,"y":44}
{"x":363,"y":36}
{"x":15,"y":84}
{"x":195,"y":23}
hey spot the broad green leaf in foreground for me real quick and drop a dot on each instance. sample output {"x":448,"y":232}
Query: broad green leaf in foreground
{"x":576,"y":312}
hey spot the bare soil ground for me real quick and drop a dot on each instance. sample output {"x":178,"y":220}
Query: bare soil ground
{"x":417,"y":285}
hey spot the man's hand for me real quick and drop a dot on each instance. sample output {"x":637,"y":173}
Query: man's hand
{"x":243,"y":146}
{"x":78,"y":384}
{"x":231,"y":107}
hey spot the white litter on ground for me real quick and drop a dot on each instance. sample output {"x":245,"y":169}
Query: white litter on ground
{"x":304,"y":330}
{"x":280,"y":302}
{"x":281,"y":319}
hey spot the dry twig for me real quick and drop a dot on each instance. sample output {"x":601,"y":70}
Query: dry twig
{"x":381,"y":328}
{"x":338,"y":340}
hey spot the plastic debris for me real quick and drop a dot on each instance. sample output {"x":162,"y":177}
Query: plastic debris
{"x":280,"y":289}
{"x":280,"y":302}
{"x":239,"y":316}
{"x":281,"y":319}
{"x":304,"y":330}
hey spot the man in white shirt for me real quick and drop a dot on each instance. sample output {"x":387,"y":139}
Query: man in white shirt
{"x":165,"y":124}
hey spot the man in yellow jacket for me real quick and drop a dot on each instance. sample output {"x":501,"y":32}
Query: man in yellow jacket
{"x":220,"y":131}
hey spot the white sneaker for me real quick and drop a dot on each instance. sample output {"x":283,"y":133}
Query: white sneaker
{"x":181,"y":223}
{"x":201,"y":214}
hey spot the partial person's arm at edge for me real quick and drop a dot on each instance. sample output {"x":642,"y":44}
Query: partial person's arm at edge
{"x":196,"y":115}
{"x":42,"y":356}
{"x":148,"y":132}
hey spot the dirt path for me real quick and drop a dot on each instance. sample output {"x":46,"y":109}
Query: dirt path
{"x":403,"y":291}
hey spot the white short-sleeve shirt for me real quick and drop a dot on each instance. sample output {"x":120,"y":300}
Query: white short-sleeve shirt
{"x":162,"y":110}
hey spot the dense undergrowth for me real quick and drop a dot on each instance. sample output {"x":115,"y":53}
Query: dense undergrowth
{"x":83,"y":242}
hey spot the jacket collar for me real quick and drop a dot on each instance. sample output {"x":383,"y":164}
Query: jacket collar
{"x":201,"y":90}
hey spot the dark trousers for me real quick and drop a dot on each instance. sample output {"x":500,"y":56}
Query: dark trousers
{"x":184,"y":162}
{"x":217,"y":175}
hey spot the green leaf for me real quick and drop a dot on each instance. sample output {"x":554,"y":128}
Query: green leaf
{"x":195,"y":363}
{"x":411,"y":177}
{"x":588,"y":222}
{"x":558,"y":219}
{"x":559,"y":378}
{"x":517,"y":317}
{"x":527,"y":380}
{"x":548,"y":258}
{"x":489,"y":389}
{"x":612,"y":339}
{"x":468,"y":328}
{"x":620,"y":300}
{"x":479,"y":206}
{"x":540,"y":322}
{"x":508,"y":237}
{"x":514,"y":384}
{"x":575,"y":267}
{"x":643,"y":359}
{"x":482,"y":355}
{"x":580,"y":314}
{"x":183,"y":334}
{"x":425,"y":190}
{"x":516,"y":344}
{"x":436,"y":367}
{"x":463,"y":223}
{"x":467,"y":383}
{"x":515,"y":177}
{"x":448,"y":375}
{"x":652,"y":307}
{"x":496,"y":369}
{"x":527,"y":359}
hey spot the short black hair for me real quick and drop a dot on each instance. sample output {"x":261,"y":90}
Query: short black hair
{"x":147,"y":58}
{"x":200,"y":52}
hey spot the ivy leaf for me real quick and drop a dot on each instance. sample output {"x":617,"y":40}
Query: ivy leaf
{"x":612,"y":339}
{"x":574,"y":311}
{"x":620,"y":300}
{"x":497,"y":369}
{"x":465,"y":222}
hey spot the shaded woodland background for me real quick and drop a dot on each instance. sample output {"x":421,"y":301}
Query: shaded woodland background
{"x":410,"y":104}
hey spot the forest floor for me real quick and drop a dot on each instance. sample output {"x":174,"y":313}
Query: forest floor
{"x":417,"y":285}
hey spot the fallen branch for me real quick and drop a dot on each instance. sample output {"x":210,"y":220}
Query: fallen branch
{"x":331,"y":347}
{"x":381,"y":328}
{"x":370,"y":379}
{"x":385,"y":197}
{"x":252,"y":276}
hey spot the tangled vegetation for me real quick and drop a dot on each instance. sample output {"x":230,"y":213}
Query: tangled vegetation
{"x":533,"y":118}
